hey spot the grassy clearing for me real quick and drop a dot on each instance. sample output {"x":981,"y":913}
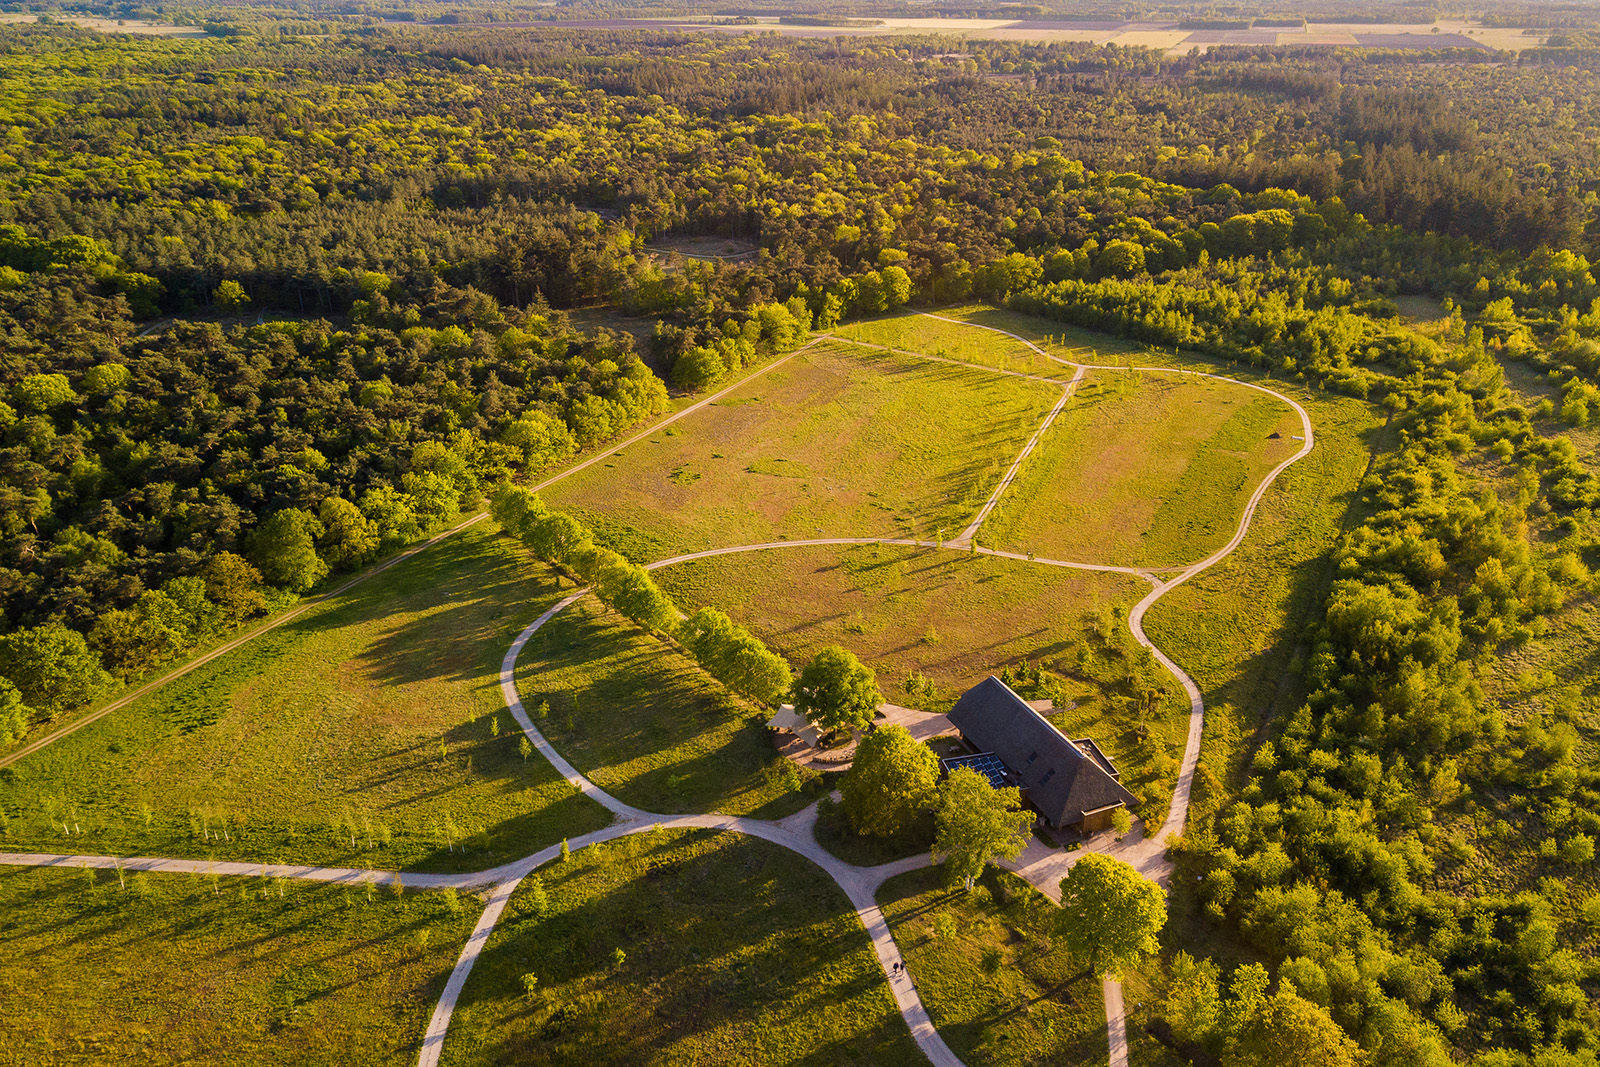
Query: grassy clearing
{"x":316,"y":975}
{"x":361,"y":733}
{"x":1239,"y":629}
{"x":837,"y":442}
{"x":1059,"y":339}
{"x":644,"y":722}
{"x":735,"y":951}
{"x":956,"y":618}
{"x":953,"y":616}
{"x":933,"y":337}
{"x":1144,"y":469}
{"x":994,"y":984}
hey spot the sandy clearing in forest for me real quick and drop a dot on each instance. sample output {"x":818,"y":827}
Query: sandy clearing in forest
{"x":137,"y":26}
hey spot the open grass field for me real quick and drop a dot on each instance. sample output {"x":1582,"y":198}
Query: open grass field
{"x":837,"y":442}
{"x":956,"y":618}
{"x":733,"y":951}
{"x":929,"y":336}
{"x":1058,"y":339}
{"x":1144,"y":468}
{"x":987,"y":969}
{"x":362,"y":733}
{"x":187,"y":969}
{"x":640,"y":719}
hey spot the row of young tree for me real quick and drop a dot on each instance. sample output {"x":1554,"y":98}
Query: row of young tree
{"x":154,"y":488}
{"x":728,"y":652}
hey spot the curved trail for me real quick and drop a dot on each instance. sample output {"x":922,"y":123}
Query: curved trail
{"x":1145,"y":852}
{"x":860,"y":884}
{"x":1148,"y":853}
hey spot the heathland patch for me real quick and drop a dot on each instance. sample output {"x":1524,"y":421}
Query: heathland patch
{"x":1147,"y":468}
{"x":675,"y":947}
{"x":839,"y":441}
{"x":369,"y":731}
{"x":640,"y":719}
{"x":170,"y":968}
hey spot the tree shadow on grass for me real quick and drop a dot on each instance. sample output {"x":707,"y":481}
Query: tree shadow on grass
{"x":645,"y":722}
{"x":460,"y":605}
{"x":730,"y":943}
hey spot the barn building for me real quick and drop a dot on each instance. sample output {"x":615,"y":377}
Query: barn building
{"x":1071,"y":784}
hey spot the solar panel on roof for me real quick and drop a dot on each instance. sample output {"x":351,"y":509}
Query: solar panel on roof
{"x":987,"y":764}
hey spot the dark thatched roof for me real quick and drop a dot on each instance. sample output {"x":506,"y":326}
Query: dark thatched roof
{"x":1060,"y":779}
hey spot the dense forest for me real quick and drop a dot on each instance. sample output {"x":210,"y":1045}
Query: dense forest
{"x":277,"y":305}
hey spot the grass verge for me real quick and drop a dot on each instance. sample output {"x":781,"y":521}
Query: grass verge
{"x":732,"y":951}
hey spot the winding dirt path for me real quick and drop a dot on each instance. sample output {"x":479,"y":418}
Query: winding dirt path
{"x":860,"y":884}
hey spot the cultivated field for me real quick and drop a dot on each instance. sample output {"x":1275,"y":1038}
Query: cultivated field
{"x":644,"y":722}
{"x":1144,"y":468}
{"x":138,"y":27}
{"x":362,"y":733}
{"x":733,"y":951}
{"x":189,"y":969}
{"x":837,"y":442}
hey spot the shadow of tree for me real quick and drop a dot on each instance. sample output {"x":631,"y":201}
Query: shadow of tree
{"x":736,"y":951}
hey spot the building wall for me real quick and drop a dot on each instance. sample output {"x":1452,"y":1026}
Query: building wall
{"x":1093,"y":824}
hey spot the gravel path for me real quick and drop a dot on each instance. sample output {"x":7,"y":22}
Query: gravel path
{"x":1043,"y":868}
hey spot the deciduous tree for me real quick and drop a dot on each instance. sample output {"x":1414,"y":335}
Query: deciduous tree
{"x":1110,"y":914}
{"x":836,"y":691}
{"x":52,"y":667}
{"x":284,"y":550}
{"x":977,"y":824}
{"x":891,"y":779}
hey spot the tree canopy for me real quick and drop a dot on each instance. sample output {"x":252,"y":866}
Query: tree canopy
{"x":891,"y":780}
{"x":977,"y":824}
{"x":1111,"y":915}
{"x":836,"y":691}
